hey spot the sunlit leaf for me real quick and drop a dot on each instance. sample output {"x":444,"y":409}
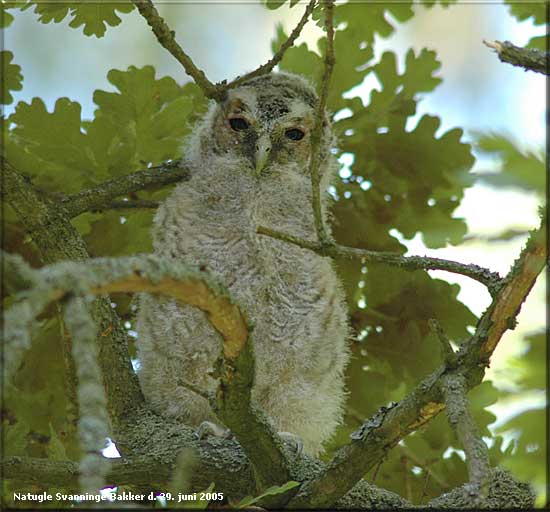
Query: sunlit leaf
{"x":93,"y":16}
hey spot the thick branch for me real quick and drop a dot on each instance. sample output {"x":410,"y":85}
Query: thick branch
{"x":530,"y":59}
{"x":193,"y":287}
{"x":490,"y":279}
{"x":167,"y":38}
{"x":57,"y":239}
{"x":380,"y":433}
{"x":320,"y":125}
{"x":454,"y":391}
{"x":100,"y":197}
{"x":518,"y":284}
{"x":225,"y":465}
{"x":271,"y":63}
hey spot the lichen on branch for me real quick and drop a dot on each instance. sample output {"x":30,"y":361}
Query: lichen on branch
{"x":151,"y":274}
{"x":530,"y":59}
{"x":93,"y":421}
{"x":382,"y":432}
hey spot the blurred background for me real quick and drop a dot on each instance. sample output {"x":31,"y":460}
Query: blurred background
{"x":498,"y":106}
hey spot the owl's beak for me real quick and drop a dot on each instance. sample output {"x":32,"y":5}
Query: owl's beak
{"x":263,"y":148}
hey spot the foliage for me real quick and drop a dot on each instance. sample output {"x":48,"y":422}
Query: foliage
{"x":526,"y":455}
{"x":12,"y":78}
{"x":524,"y":170}
{"x":403,"y":180}
{"x":94,"y":17}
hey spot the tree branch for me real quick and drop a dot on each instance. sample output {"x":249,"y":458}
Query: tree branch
{"x":530,"y":59}
{"x":189,"y":286}
{"x":93,"y":422}
{"x":454,"y":391}
{"x":57,"y":239}
{"x":271,"y":63}
{"x":490,"y":279}
{"x":225,"y":465}
{"x":318,"y":132}
{"x":135,"y":204}
{"x":100,"y":197}
{"x":448,"y":354}
{"x":167,"y":38}
{"x":383,"y":431}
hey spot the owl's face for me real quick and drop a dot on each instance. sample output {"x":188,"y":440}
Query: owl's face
{"x":266,"y":122}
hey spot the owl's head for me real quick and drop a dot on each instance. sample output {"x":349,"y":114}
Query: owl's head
{"x":266,"y":122}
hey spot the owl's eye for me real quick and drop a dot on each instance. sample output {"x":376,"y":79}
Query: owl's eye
{"x":294,"y":134}
{"x":238,"y":123}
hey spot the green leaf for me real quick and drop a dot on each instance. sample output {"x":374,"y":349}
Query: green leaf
{"x":16,"y":440}
{"x":528,"y":370}
{"x":93,"y":16}
{"x":521,"y":169}
{"x":144,"y":122}
{"x":524,"y":9}
{"x":298,"y":59}
{"x":6,"y":18}
{"x":38,"y":395}
{"x":120,"y":233}
{"x":201,"y":504}
{"x":271,"y":491}
{"x":369,"y":21}
{"x":55,"y":449}
{"x":528,"y":461}
{"x":12,"y":77}
{"x":538,"y":42}
{"x":273,"y":4}
{"x":51,"y":146}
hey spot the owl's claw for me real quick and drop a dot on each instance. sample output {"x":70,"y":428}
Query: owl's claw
{"x":207,"y":428}
{"x":295,"y":442}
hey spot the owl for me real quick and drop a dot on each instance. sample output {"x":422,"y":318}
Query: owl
{"x":249,"y":159}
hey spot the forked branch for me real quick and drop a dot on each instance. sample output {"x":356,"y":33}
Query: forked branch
{"x":71,"y":280}
{"x":278,"y":57}
{"x":167,"y":38}
{"x":382,"y":432}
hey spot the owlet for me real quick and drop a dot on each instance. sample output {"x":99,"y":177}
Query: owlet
{"x":249,"y":159}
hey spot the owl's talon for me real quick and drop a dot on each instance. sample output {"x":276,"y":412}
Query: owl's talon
{"x":208,"y":428}
{"x":293,"y":441}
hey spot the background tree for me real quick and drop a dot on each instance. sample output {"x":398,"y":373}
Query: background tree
{"x":71,"y":190}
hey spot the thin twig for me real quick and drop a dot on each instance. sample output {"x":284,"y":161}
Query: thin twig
{"x":449,"y":357}
{"x":166,"y":37}
{"x":320,"y":125}
{"x":134,"y":204}
{"x":100,"y":197}
{"x":490,"y":279}
{"x":271,"y":63}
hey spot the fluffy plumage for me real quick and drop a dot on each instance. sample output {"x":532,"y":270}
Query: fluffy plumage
{"x":248,"y":173}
